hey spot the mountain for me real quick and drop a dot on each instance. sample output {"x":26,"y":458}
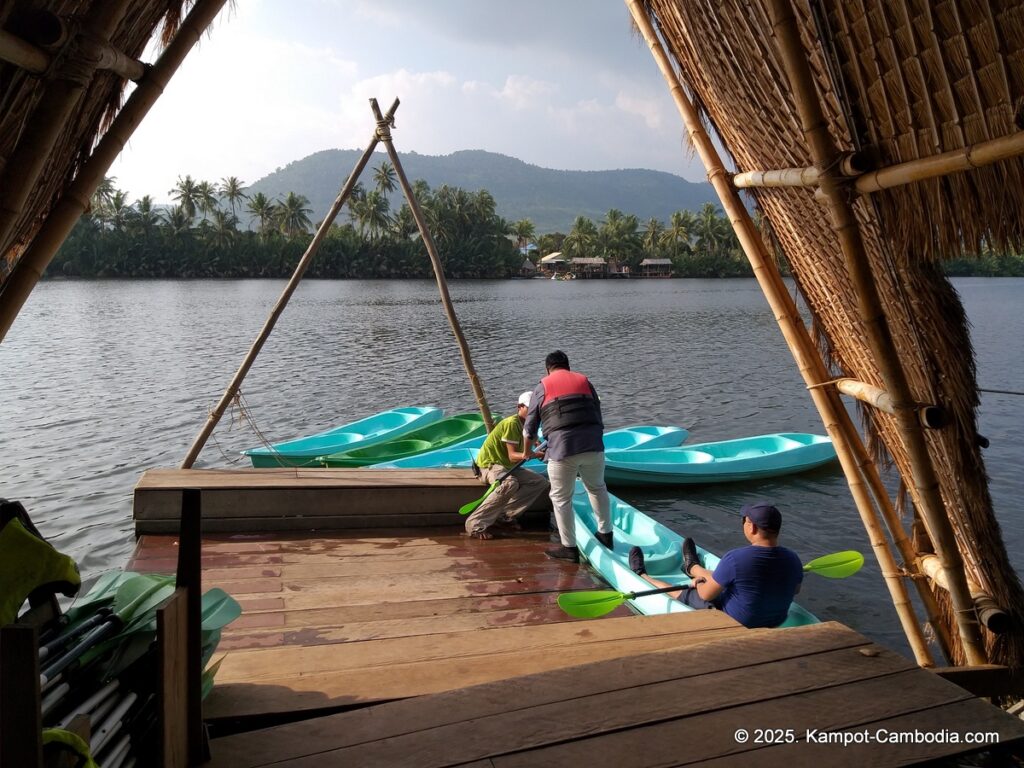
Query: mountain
{"x":550,"y":199}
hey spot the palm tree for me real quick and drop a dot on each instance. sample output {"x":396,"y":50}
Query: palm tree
{"x":374,"y":214}
{"x":186,"y":192}
{"x":653,"y":231}
{"x":385,"y":177}
{"x":206,"y":197}
{"x":293,"y":215}
{"x":711,"y":230}
{"x":524,"y":232}
{"x":232,"y":189}
{"x":582,"y":238}
{"x":262,"y":209}
{"x":677,"y":235}
{"x":224,"y":229}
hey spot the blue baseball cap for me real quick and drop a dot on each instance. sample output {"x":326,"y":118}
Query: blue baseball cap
{"x":763,"y":515}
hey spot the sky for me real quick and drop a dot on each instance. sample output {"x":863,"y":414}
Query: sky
{"x":562,"y":84}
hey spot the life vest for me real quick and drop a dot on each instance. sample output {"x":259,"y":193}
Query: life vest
{"x":568,"y":401}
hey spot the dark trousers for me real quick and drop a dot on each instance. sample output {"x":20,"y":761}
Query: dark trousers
{"x":692,"y":599}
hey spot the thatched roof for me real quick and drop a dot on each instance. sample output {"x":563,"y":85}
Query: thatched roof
{"x":898,"y":80}
{"x":64,"y":66}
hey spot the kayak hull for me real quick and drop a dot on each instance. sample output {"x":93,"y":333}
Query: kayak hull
{"x":303,"y":451}
{"x":746,"y":458}
{"x":445,"y":433}
{"x":462,"y":455}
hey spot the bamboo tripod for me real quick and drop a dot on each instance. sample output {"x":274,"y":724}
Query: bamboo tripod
{"x":381,"y":134}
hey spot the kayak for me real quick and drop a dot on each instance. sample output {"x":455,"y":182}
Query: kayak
{"x":463,"y":455}
{"x":441,"y":434}
{"x":743,"y":459}
{"x":303,"y":451}
{"x":663,"y":556}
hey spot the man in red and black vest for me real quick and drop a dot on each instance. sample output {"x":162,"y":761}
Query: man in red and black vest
{"x":565,"y":404}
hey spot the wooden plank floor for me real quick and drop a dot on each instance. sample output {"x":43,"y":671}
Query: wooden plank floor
{"x":674,"y":707}
{"x":350,"y":619}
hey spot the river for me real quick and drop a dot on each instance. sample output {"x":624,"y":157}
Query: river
{"x":101,"y":380}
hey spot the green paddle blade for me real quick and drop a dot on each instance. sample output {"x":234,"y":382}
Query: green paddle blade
{"x":838,"y":565}
{"x":466,"y":509}
{"x":589,"y":605}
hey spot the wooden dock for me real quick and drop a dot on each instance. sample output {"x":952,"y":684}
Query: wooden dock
{"x":416,"y":645}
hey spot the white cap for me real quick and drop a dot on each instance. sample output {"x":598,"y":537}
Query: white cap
{"x":526,"y":398}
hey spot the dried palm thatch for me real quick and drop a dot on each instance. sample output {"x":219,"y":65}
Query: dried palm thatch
{"x":63,"y":70}
{"x":897,"y":80}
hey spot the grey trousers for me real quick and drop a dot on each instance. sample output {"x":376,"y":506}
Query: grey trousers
{"x":509,"y":500}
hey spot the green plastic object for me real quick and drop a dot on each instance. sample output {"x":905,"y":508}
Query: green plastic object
{"x":440,"y":434}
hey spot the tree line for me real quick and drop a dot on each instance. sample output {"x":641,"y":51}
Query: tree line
{"x":203,"y":236}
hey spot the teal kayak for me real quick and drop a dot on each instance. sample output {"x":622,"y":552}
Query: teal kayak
{"x":441,"y":434}
{"x":462,"y":455}
{"x":727,"y":461}
{"x":662,"y":550}
{"x":303,"y":451}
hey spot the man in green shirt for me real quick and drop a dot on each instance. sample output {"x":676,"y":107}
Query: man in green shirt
{"x":502,"y":449}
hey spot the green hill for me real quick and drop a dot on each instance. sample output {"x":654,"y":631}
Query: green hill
{"x":550,"y":199}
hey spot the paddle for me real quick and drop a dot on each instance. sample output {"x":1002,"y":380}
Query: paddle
{"x":134,"y":598}
{"x":466,"y":509}
{"x":593,"y":603}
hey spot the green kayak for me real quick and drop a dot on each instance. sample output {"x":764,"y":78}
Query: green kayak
{"x":440,"y":434}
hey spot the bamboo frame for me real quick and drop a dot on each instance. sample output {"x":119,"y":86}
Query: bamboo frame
{"x":282,"y":302}
{"x":384,"y":134}
{"x":974,"y":156}
{"x":22,"y":54}
{"x":75,"y":200}
{"x":930,"y":416}
{"x":854,"y":461}
{"x":59,"y":99}
{"x":924,"y":481}
{"x":990,"y":613}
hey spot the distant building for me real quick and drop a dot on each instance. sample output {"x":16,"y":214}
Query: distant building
{"x":589,"y":267}
{"x":554,"y":264}
{"x":656,"y":268}
{"x":527,"y":269}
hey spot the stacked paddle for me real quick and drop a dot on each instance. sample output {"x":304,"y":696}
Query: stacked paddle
{"x":97,"y":662}
{"x":594,"y":603}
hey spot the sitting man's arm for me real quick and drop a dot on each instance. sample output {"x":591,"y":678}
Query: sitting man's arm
{"x":705,"y":583}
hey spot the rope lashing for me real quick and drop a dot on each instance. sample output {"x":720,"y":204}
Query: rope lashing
{"x":384,"y":126}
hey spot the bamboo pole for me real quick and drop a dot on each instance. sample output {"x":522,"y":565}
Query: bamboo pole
{"x":812,"y":369}
{"x":850,"y":165}
{"x":282,"y":302}
{"x":49,"y":119}
{"x":974,"y":156}
{"x":384,"y":133}
{"x":930,"y":416}
{"x":990,"y":613}
{"x":22,"y":54}
{"x":75,"y":200}
{"x":924,"y":480}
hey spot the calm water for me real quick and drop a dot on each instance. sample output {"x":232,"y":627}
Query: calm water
{"x":102,"y":380}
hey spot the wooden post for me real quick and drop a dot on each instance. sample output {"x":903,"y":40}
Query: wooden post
{"x":282,"y":302}
{"x":384,"y":134}
{"x":189,"y":578}
{"x":21,"y":726}
{"x":812,"y":369}
{"x":75,"y":200}
{"x":924,"y":482}
{"x":172,"y":702}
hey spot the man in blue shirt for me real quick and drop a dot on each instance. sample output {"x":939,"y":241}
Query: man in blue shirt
{"x":754,"y":584}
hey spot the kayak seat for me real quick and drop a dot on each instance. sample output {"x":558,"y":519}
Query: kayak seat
{"x":659,"y":563}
